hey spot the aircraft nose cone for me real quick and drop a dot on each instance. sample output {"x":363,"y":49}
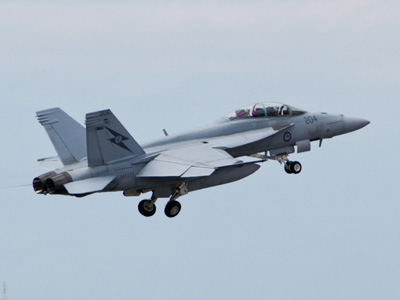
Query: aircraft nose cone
{"x":352,"y":124}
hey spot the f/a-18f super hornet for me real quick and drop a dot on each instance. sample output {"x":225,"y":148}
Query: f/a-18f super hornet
{"x":104,"y":157}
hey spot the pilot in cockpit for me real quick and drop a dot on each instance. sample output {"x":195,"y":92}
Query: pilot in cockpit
{"x":258,"y":111}
{"x":284,"y":110}
{"x":271,"y":111}
{"x":242,"y":113}
{"x":267,"y":110}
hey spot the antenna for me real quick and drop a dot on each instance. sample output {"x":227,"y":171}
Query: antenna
{"x":165,"y":132}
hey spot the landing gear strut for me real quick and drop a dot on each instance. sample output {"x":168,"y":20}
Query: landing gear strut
{"x":173,"y":207}
{"x":291,"y":167}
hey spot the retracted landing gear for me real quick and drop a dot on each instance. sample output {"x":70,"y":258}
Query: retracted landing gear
{"x":293,"y":167}
{"x":148,"y":207}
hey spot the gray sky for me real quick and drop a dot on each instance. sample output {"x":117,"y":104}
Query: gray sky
{"x":332,"y":232}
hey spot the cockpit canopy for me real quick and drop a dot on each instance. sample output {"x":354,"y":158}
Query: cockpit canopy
{"x":263,"y":110}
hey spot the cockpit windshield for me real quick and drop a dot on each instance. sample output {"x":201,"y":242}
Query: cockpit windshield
{"x":263,"y":110}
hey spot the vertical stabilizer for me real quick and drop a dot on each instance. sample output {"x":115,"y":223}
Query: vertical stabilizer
{"x":66,"y":134}
{"x":107,"y":139}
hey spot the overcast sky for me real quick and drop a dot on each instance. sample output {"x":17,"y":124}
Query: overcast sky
{"x":332,"y":232}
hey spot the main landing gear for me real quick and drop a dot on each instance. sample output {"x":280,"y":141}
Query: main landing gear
{"x":172,"y":208}
{"x":148,"y":207}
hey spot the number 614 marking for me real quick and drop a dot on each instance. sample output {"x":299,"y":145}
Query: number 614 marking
{"x":310,"y":119}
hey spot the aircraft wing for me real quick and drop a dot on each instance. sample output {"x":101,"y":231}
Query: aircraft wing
{"x":189,"y":161}
{"x":244,"y":138}
{"x":203,"y":159}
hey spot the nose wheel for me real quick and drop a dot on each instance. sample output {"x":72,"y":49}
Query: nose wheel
{"x":293,"y":167}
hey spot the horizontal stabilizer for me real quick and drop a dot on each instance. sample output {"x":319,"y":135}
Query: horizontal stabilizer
{"x":90,"y":185}
{"x":50,"y":163}
{"x":67,"y":135}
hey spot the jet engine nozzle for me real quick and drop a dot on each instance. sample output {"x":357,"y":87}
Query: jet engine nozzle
{"x":39,"y":183}
{"x":55,"y":184}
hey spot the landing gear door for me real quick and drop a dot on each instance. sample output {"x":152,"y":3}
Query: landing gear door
{"x":303,"y":146}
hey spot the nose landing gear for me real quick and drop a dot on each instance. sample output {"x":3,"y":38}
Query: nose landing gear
{"x":293,"y":167}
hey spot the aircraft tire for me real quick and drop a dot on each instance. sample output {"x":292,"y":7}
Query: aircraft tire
{"x":172,"y":209}
{"x":144,"y":209}
{"x":288,"y":167}
{"x":295,"y":167}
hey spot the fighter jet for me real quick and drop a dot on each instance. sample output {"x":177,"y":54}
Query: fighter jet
{"x":104,"y":157}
